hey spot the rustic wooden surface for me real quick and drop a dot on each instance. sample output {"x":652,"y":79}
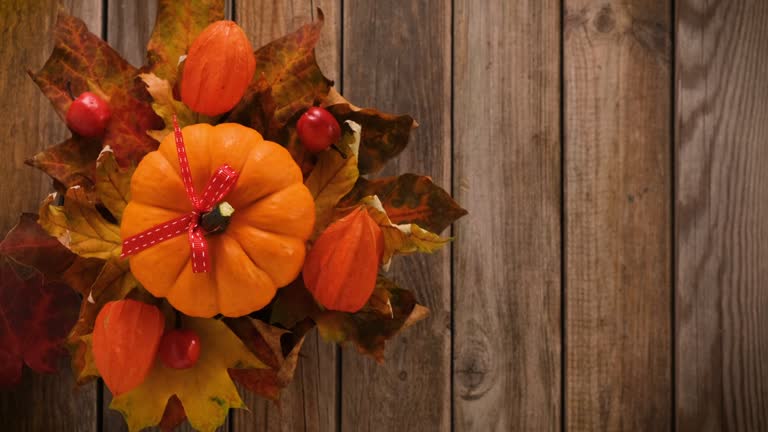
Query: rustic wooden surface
{"x":721,"y":208}
{"x":507,"y":287}
{"x":397,"y":57}
{"x":611,"y":274}
{"x":27,"y":125}
{"x":618,"y":218}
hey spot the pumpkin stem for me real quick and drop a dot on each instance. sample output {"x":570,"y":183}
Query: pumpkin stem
{"x":217,"y":220}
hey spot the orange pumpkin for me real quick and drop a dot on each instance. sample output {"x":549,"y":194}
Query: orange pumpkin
{"x":340,"y":270}
{"x":126,"y":336}
{"x":218,"y":68}
{"x":262,"y":248}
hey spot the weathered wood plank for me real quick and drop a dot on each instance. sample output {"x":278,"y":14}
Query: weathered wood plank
{"x":507,"y":341}
{"x":310,"y":401}
{"x":618,"y":215}
{"x":397,"y":58}
{"x":721,"y":233}
{"x":27,"y":125}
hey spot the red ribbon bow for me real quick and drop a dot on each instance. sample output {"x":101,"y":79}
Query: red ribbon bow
{"x":217,"y":188}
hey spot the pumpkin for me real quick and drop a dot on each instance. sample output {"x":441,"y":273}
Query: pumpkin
{"x":219,"y":66}
{"x":261,"y":249}
{"x":340,"y":270}
{"x":126,"y":337}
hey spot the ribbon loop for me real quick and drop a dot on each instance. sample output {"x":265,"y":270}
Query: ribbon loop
{"x":219,"y":185}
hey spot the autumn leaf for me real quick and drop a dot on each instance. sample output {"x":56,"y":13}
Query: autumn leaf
{"x":288,"y":80}
{"x":409,"y":199}
{"x":403,"y":239}
{"x":370,"y":328}
{"x":27,"y":243}
{"x":389,"y":311}
{"x":177,"y":24}
{"x":334,"y":176}
{"x":267,"y":343}
{"x":113,"y":183}
{"x":72,"y":162}
{"x":80,"y":226}
{"x":205,"y":390}
{"x":82,"y":61}
{"x":384,"y":136}
{"x":34,"y":319}
{"x":166,"y":106}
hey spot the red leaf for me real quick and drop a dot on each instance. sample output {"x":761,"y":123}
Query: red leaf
{"x":81,"y":61}
{"x":72,"y":162}
{"x":28,"y":244}
{"x":35,"y":317}
{"x":409,"y":198}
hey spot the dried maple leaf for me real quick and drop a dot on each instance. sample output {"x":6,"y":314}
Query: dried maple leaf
{"x":389,"y":311}
{"x":166,"y":106}
{"x":113,"y":183}
{"x":384,"y":135}
{"x":177,"y":24}
{"x":409,"y":198}
{"x":403,"y":239}
{"x":370,"y":328}
{"x":334,"y":176}
{"x":205,"y":390}
{"x":267,"y":343}
{"x":82,"y":61}
{"x":80,"y":226}
{"x":34,"y":318}
{"x":72,"y":163}
{"x":288,"y":80}
{"x":28,"y":244}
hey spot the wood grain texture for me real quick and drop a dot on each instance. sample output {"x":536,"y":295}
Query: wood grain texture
{"x":397,"y":58}
{"x":309,"y":403}
{"x":27,"y":125}
{"x":507,"y":341}
{"x":722,"y":234}
{"x":618,"y":215}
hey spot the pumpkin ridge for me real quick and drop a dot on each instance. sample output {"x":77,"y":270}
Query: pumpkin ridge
{"x":245,"y":252}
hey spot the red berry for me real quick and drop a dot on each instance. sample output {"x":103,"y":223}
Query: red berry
{"x":88,"y":115}
{"x":179,"y":349}
{"x":318,"y":129}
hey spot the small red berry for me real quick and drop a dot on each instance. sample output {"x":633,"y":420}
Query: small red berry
{"x":179,"y":349}
{"x":318,"y":129}
{"x":88,"y":115}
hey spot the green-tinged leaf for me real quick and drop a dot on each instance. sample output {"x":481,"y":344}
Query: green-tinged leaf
{"x":401,"y":239}
{"x":288,"y":80}
{"x":370,"y":328}
{"x":408,"y":199}
{"x":334,"y":176}
{"x":72,"y":162}
{"x":205,"y":390}
{"x":82,"y":61}
{"x":113,"y":183}
{"x":268,"y":343}
{"x":28,"y":244}
{"x":177,"y":24}
{"x":79,"y":226}
{"x":384,"y":135}
{"x":83,"y":363}
{"x":165,"y":106}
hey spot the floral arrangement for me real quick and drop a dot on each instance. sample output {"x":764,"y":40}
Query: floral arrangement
{"x":211,"y":209}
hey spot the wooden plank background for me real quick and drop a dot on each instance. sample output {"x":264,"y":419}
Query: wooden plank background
{"x":613,"y":271}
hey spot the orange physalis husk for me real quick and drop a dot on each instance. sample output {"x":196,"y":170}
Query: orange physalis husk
{"x":125,"y":340}
{"x":340,"y":270}
{"x":218,"y":68}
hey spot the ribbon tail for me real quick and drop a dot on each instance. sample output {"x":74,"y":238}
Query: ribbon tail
{"x":137,"y":243}
{"x":222,"y":181}
{"x":201,"y":259}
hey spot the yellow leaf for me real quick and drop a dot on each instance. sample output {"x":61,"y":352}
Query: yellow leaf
{"x":79,"y":226}
{"x":113,"y":183}
{"x":334,"y":176}
{"x":205,"y":390}
{"x":82,"y":359}
{"x":165,"y":106}
{"x":403,"y":239}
